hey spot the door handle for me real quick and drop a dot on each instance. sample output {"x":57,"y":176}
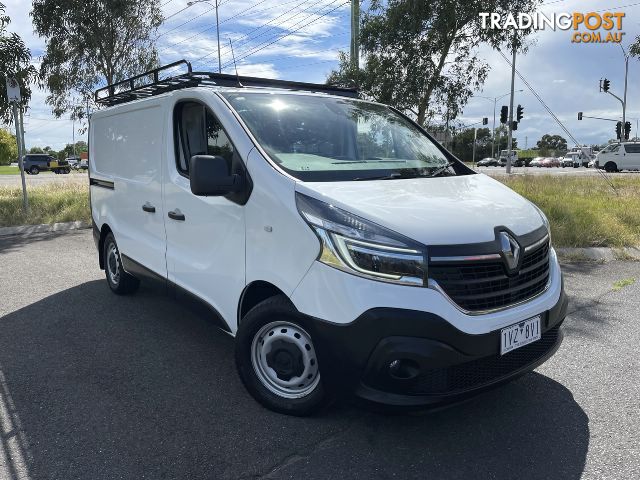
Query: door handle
{"x":147,"y":207}
{"x":176,"y":215}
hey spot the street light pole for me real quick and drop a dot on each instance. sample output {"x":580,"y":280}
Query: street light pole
{"x":495,"y":102}
{"x":193,"y":2}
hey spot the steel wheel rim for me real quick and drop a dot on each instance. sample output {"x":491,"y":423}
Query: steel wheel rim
{"x":113,"y":268}
{"x":297,"y":386}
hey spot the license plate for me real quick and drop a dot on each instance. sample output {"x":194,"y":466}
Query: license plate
{"x":519,"y":335}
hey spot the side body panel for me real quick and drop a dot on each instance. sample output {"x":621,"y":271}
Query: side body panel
{"x":127,"y":150}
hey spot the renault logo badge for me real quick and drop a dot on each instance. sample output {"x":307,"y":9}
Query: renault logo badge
{"x":510,"y":251}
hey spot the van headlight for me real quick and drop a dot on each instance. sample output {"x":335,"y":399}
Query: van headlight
{"x":358,"y":246}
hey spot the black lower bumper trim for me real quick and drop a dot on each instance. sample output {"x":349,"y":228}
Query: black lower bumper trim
{"x":446,"y":364}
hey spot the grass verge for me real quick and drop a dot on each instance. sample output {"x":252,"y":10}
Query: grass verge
{"x":583,"y":211}
{"x":52,"y":203}
{"x":9,"y":170}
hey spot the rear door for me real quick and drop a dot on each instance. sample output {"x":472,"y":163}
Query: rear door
{"x":126,"y":177}
{"x":205,"y":235}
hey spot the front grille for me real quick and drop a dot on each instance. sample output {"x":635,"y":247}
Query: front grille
{"x":485,"y":285}
{"x":476,"y":373}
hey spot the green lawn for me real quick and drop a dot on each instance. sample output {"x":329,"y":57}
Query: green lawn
{"x":48,"y":204}
{"x":583,"y":211}
{"x":9,"y":170}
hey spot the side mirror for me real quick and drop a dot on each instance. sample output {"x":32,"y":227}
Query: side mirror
{"x":209,"y":176}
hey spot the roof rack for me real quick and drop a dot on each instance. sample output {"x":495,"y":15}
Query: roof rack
{"x":149,"y":84}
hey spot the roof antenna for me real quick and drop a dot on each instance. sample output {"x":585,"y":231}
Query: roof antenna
{"x":234,"y":63}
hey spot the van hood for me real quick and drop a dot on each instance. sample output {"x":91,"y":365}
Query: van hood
{"x":433,"y":211}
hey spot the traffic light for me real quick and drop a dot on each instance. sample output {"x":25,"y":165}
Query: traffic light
{"x":627,"y":130}
{"x":605,"y":85}
{"x":619,"y":130}
{"x":485,"y":121}
{"x":514,"y":125}
{"x":519,"y":111}
{"x":579,"y":115}
{"x":504,"y":113}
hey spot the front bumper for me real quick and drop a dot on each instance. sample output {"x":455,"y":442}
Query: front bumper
{"x":444,"y":364}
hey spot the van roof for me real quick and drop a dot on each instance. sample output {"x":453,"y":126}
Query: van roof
{"x":150,"y":84}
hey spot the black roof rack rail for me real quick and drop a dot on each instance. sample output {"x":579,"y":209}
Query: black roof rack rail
{"x":149,"y":83}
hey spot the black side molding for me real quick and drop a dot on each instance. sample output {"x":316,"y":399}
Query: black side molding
{"x":101,"y":183}
{"x":187,"y":299}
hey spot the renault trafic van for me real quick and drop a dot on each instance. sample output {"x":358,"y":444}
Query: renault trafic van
{"x":619,"y":156}
{"x":347,"y":252}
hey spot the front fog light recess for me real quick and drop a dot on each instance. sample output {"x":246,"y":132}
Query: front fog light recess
{"x":361,"y":247}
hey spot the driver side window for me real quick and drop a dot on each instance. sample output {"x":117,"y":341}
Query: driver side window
{"x":198,"y":132}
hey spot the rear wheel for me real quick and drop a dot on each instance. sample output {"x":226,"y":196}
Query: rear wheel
{"x":119,"y":281}
{"x":610,"y":167}
{"x":276,"y":359}
{"x":34,"y":170}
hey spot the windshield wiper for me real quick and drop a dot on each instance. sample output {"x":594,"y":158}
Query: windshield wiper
{"x":440,"y":170}
{"x":382,"y":177}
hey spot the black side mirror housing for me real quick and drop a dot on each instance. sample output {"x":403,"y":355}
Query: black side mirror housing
{"x":209,"y":176}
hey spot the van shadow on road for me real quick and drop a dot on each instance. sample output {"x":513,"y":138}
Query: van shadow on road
{"x":98,"y":386}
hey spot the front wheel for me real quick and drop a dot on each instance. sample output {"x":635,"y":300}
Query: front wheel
{"x":120,"y":282}
{"x":34,"y":170}
{"x":277,"y":361}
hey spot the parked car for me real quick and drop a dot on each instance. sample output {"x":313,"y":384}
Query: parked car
{"x":343,"y":263}
{"x":566,"y":161}
{"x":550,"y":162}
{"x":34,"y":163}
{"x":488,"y":162}
{"x":619,"y":156}
{"x":536,"y":162}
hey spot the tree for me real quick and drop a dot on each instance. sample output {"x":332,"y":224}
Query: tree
{"x":8,"y":147}
{"x":421,"y":56}
{"x":551,"y":143}
{"x":36,"y":150}
{"x":635,"y":48}
{"x":462,"y":144}
{"x":92,"y":43}
{"x":14,"y":62}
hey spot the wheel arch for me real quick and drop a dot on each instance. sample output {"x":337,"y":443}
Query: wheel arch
{"x":254,"y":293}
{"x":104,"y":231}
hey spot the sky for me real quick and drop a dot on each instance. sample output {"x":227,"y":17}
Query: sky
{"x":301,"y":40}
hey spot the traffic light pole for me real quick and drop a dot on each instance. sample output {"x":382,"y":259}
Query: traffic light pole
{"x":513,"y":80}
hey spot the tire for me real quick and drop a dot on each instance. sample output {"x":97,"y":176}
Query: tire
{"x":34,"y":170}
{"x":120,"y":282}
{"x":610,"y":167}
{"x":277,"y":320}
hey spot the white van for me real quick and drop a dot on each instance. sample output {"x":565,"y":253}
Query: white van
{"x":347,"y":252}
{"x":619,"y":156}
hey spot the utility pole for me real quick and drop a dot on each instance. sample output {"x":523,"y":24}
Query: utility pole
{"x":626,"y":74}
{"x":513,"y":80}
{"x":355,"y":35}
{"x":475,"y":138}
{"x":14,"y":98}
{"x":218,"y":34}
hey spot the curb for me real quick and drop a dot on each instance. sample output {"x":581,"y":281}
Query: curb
{"x":598,"y":254}
{"x":44,"y":228}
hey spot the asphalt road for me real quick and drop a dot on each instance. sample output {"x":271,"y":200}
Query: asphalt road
{"x":96,"y":386}
{"x":582,"y":171}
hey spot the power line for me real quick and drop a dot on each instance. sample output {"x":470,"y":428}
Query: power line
{"x":267,"y":43}
{"x":188,"y":21}
{"x":553,"y":115}
{"x":224,"y":21}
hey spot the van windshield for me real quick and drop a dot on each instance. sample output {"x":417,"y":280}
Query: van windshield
{"x":317,"y":138}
